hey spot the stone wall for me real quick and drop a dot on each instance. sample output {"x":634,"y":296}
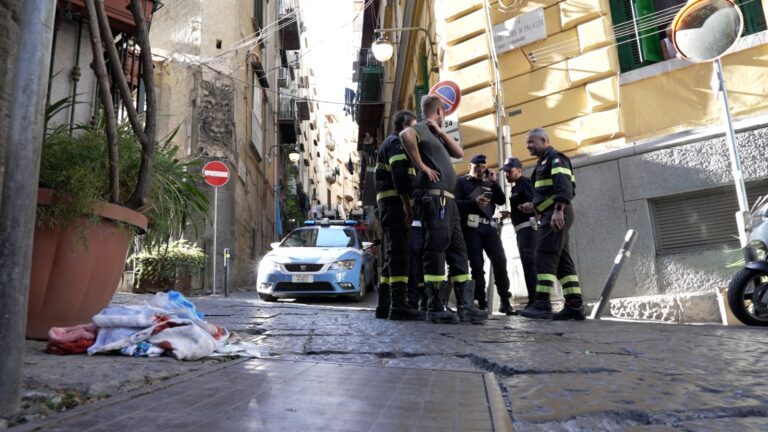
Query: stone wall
{"x":613,"y":196}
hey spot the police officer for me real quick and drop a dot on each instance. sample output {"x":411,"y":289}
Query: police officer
{"x":477,"y":195}
{"x":524,"y":222}
{"x":393,"y":189}
{"x":554,"y":187}
{"x":430,"y":150}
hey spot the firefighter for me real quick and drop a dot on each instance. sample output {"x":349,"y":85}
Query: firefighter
{"x":430,"y":150}
{"x":554,"y":188}
{"x":524,"y":222}
{"x":393,"y":189}
{"x":477,"y":195}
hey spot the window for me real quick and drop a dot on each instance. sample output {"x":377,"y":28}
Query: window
{"x":700,"y":220}
{"x":256,"y":117}
{"x":258,"y":13}
{"x":640,"y":26}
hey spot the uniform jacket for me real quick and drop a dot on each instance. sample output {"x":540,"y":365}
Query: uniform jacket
{"x":393,"y":169}
{"x":553,"y":181}
{"x":469,"y":188}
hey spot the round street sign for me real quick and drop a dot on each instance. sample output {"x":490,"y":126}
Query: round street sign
{"x":216,"y":173}
{"x":449,"y":93}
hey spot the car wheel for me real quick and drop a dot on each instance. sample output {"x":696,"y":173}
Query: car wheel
{"x":267,"y":297}
{"x":361,"y":295}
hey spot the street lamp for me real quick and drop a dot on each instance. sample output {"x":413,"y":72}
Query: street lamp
{"x":383,"y":49}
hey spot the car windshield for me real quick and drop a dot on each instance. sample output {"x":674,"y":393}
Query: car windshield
{"x":320,"y":237}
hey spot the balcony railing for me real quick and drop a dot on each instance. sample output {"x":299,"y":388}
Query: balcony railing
{"x":286,"y":109}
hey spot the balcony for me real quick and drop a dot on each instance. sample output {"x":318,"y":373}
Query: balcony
{"x":290,"y":25}
{"x":286,"y":117}
{"x":118,"y":14}
{"x":371,"y":78}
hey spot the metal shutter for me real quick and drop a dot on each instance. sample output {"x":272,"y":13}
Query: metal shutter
{"x":699,"y":220}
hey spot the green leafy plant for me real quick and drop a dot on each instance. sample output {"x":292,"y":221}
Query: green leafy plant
{"x":75,"y":165}
{"x":164,"y":264}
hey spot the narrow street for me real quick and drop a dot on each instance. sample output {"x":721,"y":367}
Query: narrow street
{"x":552,"y":376}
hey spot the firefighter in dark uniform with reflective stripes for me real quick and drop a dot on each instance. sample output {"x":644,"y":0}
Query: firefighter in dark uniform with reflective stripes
{"x":430,"y":150}
{"x":554,"y":188}
{"x":393,"y":190}
{"x":520,"y":197}
{"x":477,"y":195}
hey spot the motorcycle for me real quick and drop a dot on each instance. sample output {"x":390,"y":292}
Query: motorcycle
{"x":748,"y":290}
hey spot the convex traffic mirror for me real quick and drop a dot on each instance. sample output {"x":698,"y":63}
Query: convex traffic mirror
{"x":704,"y":30}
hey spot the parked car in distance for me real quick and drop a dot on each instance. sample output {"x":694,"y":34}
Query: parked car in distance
{"x":321,"y":258}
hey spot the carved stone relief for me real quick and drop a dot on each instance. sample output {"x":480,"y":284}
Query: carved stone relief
{"x":216,"y":120}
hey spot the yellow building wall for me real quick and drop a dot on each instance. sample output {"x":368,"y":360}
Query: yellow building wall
{"x":569,"y":83}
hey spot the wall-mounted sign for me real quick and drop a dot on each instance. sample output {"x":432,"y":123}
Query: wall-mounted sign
{"x":520,"y":31}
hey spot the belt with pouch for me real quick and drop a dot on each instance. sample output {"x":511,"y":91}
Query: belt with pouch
{"x":490,"y":222}
{"x":523,"y":225}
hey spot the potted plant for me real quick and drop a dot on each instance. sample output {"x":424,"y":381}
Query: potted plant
{"x":168,"y":267}
{"x":101,"y":185}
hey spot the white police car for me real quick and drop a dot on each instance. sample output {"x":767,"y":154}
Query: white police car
{"x":323,"y":258}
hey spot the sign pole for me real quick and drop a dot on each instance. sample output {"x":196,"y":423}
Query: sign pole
{"x":216,"y":174}
{"x":733,"y":151}
{"x":215,"y":228}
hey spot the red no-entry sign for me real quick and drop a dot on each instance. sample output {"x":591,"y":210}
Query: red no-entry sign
{"x":449,"y":93}
{"x":216,"y":173}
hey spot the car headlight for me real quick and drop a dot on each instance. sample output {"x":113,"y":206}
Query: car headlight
{"x":269,"y":265}
{"x":343,"y":265}
{"x":758,"y":250}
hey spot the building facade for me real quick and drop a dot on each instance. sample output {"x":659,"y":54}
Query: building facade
{"x":644,"y":129}
{"x":228,"y":75}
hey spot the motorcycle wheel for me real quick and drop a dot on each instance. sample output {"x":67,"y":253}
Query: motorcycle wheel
{"x":746,"y":286}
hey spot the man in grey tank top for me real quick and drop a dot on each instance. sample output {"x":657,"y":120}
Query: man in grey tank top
{"x":430,"y":150}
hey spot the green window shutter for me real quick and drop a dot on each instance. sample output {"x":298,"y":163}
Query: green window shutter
{"x":621,"y":12}
{"x":754,"y":16}
{"x":258,"y":12}
{"x":636,"y":52}
{"x":650,"y":38}
{"x":418,"y":93}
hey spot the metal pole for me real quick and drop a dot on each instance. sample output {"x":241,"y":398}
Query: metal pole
{"x":215,"y":229}
{"x":17,"y":211}
{"x":226,"y":272}
{"x":618,"y":263}
{"x":733,"y":151}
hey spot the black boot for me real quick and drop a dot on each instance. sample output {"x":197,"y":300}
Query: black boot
{"x":436,"y":309}
{"x":465,"y":297}
{"x":422,"y":298}
{"x":401,"y":311}
{"x":385,"y":299}
{"x":573,"y":309}
{"x":506,"y":308}
{"x":539,"y":309}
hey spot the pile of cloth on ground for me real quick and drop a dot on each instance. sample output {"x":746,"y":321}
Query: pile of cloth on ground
{"x":166,"y":324}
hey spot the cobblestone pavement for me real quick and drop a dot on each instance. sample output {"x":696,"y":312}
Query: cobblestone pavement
{"x":554,"y":376}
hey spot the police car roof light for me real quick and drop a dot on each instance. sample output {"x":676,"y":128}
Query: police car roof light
{"x":325,"y":222}
{"x":309,"y":222}
{"x":350,"y":222}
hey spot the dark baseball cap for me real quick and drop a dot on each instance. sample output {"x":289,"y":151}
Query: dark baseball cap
{"x":512,"y":162}
{"x":478,"y":159}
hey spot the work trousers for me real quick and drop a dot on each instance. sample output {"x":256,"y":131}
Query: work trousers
{"x":392,"y":219}
{"x":416,"y":267}
{"x":526,"y":247}
{"x":443,"y":239}
{"x":485,"y":238}
{"x":554,"y":262}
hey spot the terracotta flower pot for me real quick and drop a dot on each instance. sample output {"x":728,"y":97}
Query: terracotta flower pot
{"x":76,"y":271}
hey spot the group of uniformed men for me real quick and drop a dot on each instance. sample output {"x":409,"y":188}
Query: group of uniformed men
{"x":430,"y":218}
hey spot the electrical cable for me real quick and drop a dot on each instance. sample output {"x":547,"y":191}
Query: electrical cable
{"x":634,"y":27}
